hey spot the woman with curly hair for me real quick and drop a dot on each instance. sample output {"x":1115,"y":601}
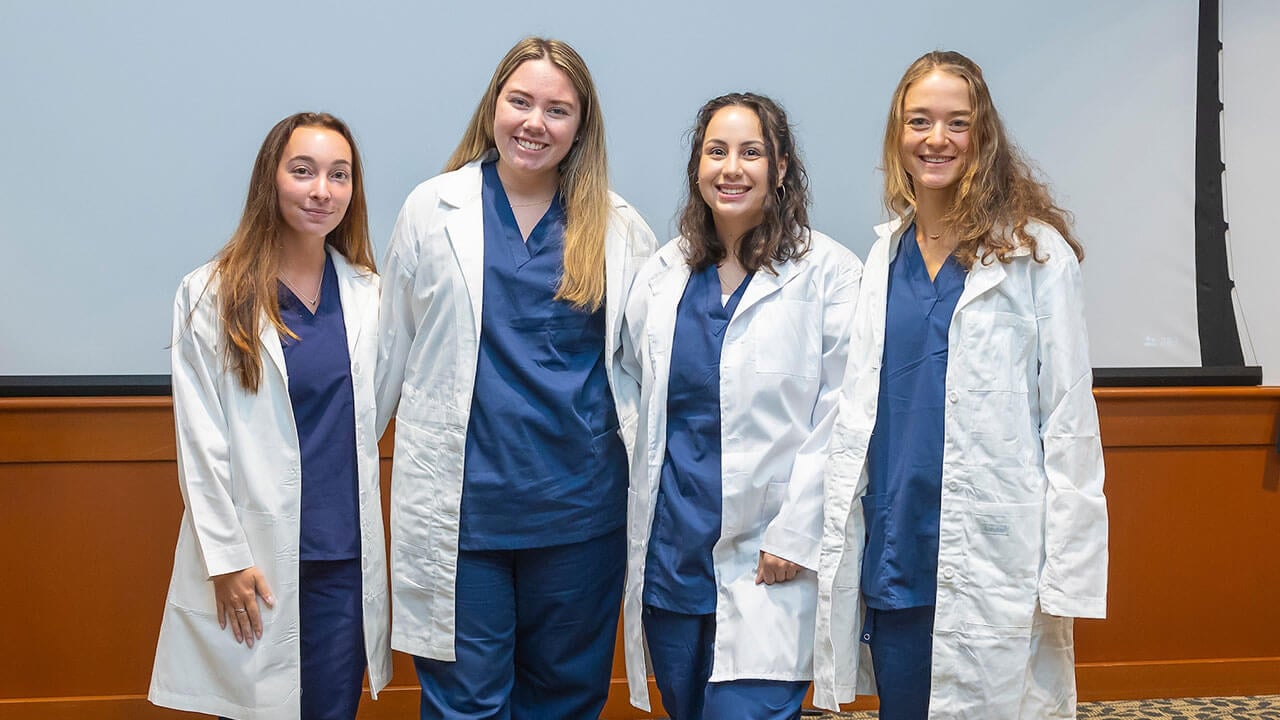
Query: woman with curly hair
{"x":965,"y":523}
{"x":737,"y":331}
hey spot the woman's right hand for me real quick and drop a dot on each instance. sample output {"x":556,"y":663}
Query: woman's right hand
{"x":237,"y":595}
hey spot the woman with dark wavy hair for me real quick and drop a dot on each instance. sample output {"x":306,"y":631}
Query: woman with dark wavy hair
{"x":965,"y":520}
{"x":278,"y":601}
{"x":737,"y":331}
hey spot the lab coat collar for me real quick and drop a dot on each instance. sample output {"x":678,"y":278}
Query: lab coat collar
{"x":464,"y":226}
{"x":270,"y":339}
{"x":981,"y":278}
{"x":676,"y":272}
{"x":349,"y":278}
{"x":614,"y":269}
{"x":765,"y":283}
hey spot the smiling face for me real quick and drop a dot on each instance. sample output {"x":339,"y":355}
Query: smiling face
{"x":314,"y":182}
{"x":535,"y":120}
{"x":733,"y":171}
{"x":934,"y":148}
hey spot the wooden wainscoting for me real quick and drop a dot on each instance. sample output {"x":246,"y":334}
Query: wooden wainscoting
{"x":89,"y":509}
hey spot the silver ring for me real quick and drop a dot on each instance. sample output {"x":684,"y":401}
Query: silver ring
{"x":241,"y":610}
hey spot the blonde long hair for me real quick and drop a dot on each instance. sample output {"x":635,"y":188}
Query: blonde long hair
{"x":584,"y":172}
{"x":997,"y":195}
{"x":247,"y":266}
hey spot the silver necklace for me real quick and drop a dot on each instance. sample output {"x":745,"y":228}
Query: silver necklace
{"x":312,"y":301}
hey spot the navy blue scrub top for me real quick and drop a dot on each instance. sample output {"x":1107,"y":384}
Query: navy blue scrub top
{"x":544,"y":464}
{"x":320,"y":391}
{"x":678,"y":574}
{"x":904,"y":459}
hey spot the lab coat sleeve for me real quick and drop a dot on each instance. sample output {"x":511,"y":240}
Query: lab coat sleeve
{"x":795,"y":533}
{"x":1073,"y":582}
{"x":397,"y":324}
{"x":200,"y":422}
{"x":641,"y":244}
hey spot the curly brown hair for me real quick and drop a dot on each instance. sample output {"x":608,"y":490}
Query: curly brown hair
{"x":999,"y":192}
{"x":784,"y":232}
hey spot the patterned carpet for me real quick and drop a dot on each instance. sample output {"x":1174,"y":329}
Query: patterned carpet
{"x":1262,"y":707}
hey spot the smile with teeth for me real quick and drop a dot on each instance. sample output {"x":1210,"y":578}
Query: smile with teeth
{"x":530,"y":145}
{"x":732,"y":189}
{"x":936,"y":159}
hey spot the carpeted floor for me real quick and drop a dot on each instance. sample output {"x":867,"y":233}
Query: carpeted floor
{"x":1262,"y":707}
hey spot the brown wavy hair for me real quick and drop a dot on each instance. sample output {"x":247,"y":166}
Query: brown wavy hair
{"x":999,"y":192}
{"x":247,"y":266}
{"x":584,"y":172}
{"x":784,"y":232}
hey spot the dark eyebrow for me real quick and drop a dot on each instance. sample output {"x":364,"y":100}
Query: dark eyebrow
{"x":309,"y":159}
{"x":718,"y":141}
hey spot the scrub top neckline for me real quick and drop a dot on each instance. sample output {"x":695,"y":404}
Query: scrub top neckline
{"x":714,"y":303}
{"x":292,"y":299}
{"x":522,"y":249}
{"x":949,"y":270}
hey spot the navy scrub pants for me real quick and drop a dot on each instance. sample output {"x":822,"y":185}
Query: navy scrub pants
{"x":681,"y":647}
{"x":534,"y":636}
{"x":901,"y":655}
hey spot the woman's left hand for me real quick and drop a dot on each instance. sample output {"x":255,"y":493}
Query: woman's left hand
{"x":773,"y":569}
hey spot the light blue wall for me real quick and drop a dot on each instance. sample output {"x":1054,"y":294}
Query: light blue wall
{"x":130,"y":127}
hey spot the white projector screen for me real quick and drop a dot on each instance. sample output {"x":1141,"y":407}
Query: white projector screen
{"x":130,"y":128}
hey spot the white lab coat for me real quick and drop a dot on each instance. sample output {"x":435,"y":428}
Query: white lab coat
{"x":1023,"y":527}
{"x":431,"y":309}
{"x":239,"y":468}
{"x":781,"y":365}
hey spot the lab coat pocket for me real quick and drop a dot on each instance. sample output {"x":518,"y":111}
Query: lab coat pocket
{"x":190,"y":589}
{"x":786,"y":338}
{"x":1004,"y":344}
{"x":999,"y":424}
{"x":414,"y":566}
{"x":1001,"y":563}
{"x":260,"y":533}
{"x":416,"y":484}
{"x":774,"y":494}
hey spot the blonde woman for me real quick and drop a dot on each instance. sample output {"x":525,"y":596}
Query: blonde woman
{"x":506,"y":279}
{"x":965,"y":524}
{"x":278,"y":599}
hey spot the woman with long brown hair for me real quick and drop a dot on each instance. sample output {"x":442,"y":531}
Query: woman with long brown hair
{"x":965,"y":524}
{"x":278,"y":603}
{"x":506,"y":278}
{"x":738,"y":333}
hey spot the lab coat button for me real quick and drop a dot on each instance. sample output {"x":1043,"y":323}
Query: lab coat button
{"x":356,"y":368}
{"x":948,"y":573}
{"x":953,"y":396}
{"x":953,"y":485}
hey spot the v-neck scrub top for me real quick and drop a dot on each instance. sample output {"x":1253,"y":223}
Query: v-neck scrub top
{"x":678,"y":573}
{"x":320,"y":391}
{"x":904,"y":457}
{"x":544,"y":464}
